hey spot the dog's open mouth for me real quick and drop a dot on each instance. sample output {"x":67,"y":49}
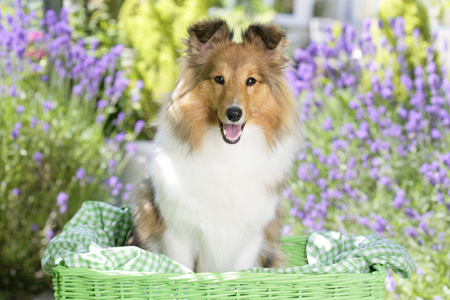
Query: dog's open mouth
{"x":231,"y":133}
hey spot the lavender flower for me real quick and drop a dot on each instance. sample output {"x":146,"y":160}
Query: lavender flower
{"x":101,"y":104}
{"x":34,"y":227}
{"x":139,"y":85}
{"x":328,"y":124}
{"x":15,"y":192}
{"x":37,"y":158}
{"x":16,"y":131}
{"x":135,"y":98}
{"x":80,"y":174}
{"x":62,"y":199}
{"x":20,"y":109}
{"x":131,"y":149}
{"x":49,"y":235}
{"x":47,"y":105}
{"x":120,"y":117}
{"x":380,"y":224}
{"x":129,"y":187}
{"x":399,"y":200}
{"x":410,"y":231}
{"x":307,"y":172}
{"x":100,"y":119}
{"x":286,"y":231}
{"x":435,"y":134}
{"x":138,"y":126}
{"x":46,"y":127}
{"x":33,"y":122}
{"x":390,"y":284}
{"x":120,"y":137}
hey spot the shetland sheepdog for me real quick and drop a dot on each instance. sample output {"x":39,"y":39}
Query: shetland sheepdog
{"x":222,"y":154}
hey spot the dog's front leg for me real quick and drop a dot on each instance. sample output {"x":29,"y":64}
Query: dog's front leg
{"x":248,"y":256}
{"x":178,"y":248}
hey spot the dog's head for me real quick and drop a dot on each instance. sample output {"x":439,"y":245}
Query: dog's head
{"x":229,"y":85}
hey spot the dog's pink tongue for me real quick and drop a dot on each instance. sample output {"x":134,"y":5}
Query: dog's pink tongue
{"x":232,"y":131}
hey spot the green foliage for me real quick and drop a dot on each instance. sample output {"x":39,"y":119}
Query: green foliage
{"x":240,"y":14}
{"x":53,"y":152}
{"x":416,"y":16}
{"x":94,"y":24}
{"x":154,"y":30}
{"x":72,"y":141}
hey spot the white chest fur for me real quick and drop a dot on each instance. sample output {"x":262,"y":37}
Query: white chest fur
{"x":216,"y":201}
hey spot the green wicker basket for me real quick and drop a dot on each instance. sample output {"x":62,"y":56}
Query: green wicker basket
{"x":81,"y":283}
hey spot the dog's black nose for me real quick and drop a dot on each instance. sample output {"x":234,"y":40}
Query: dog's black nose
{"x":234,"y":113}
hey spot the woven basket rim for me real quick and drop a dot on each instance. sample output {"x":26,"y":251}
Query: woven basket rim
{"x":379,"y":271}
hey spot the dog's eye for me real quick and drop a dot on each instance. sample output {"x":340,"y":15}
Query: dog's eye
{"x":251,"y":81}
{"x":219,"y":79}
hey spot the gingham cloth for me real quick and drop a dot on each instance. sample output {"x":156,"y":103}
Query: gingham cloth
{"x":330,"y":252}
{"x":95,"y":236}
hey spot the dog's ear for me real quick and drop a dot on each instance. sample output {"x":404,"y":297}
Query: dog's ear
{"x":204,"y":35}
{"x":269,"y":37}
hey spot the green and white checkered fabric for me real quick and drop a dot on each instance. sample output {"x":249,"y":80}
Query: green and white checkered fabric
{"x":331,"y":252}
{"x":95,"y":236}
{"x":94,"y":239}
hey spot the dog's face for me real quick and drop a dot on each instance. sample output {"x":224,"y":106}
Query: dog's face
{"x":233,"y":84}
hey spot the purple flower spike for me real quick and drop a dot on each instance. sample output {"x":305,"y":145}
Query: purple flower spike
{"x":47,"y":105}
{"x":101,"y":104}
{"x":139,"y":126}
{"x":113,"y":181}
{"x":286,"y":231}
{"x":131,"y":149}
{"x":15,"y":192}
{"x":13,"y":91}
{"x":435,"y":134}
{"x":63,"y":208}
{"x":380,"y":224}
{"x":100,"y":119}
{"x":399,"y":199}
{"x":399,"y":27}
{"x":364,"y":221}
{"x":61,"y":199}
{"x":139,"y":84}
{"x":50,"y":235}
{"x":34,"y":227}
{"x":20,"y":109}
{"x":80,"y":174}
{"x":37,"y":157}
{"x":328,"y":124}
{"x":390,"y":284}
{"x":46,"y":127}
{"x":120,"y":117}
{"x":135,"y":98}
{"x":33,"y":122}
{"x":410,"y":231}
{"x":120,"y":137}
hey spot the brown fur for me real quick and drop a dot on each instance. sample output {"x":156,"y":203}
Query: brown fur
{"x":149,"y":225}
{"x":199,"y":102}
{"x":271,"y":255}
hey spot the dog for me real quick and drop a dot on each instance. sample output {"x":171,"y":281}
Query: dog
{"x":222,"y":154}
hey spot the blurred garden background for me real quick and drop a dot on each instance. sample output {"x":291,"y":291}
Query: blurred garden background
{"x":80,"y":82}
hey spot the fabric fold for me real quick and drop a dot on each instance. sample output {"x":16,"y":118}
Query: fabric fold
{"x":95,"y":237}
